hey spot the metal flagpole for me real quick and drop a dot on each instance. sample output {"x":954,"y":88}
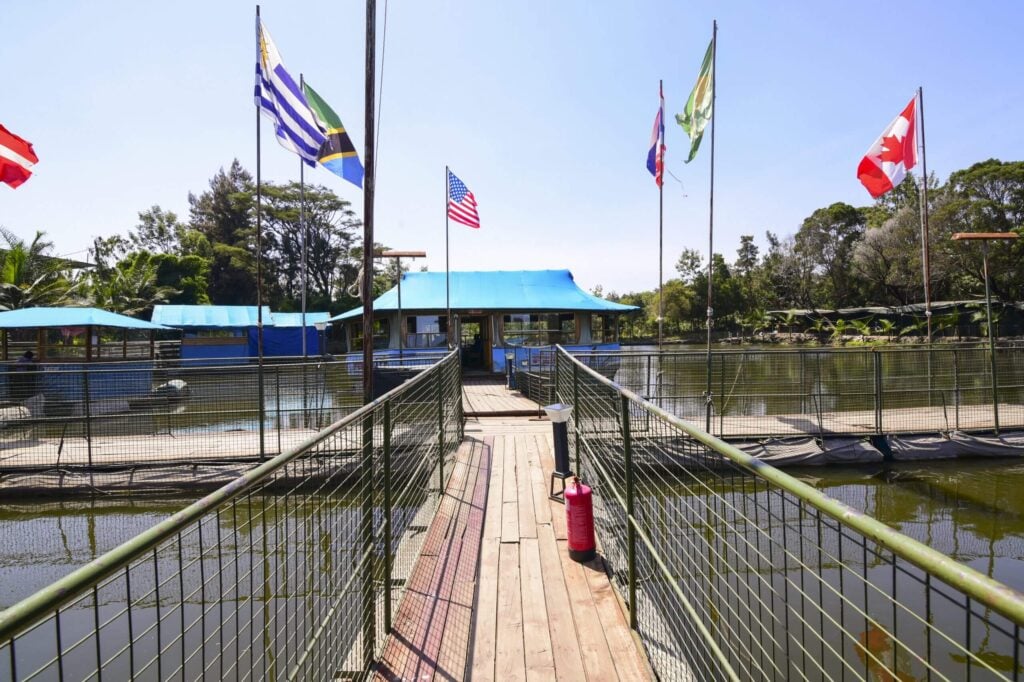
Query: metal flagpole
{"x":661,"y":241}
{"x":369,"y":181}
{"x":302,"y":230}
{"x":259,"y":284}
{"x":711,"y":229}
{"x":447,"y":270}
{"x":925,"y":236}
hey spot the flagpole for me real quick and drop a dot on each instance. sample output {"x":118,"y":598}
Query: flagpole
{"x":259,"y":283}
{"x":661,"y":241}
{"x":302,"y":230}
{"x":711,"y":228}
{"x":925,"y":237}
{"x":447,"y":269}
{"x":369,"y":181}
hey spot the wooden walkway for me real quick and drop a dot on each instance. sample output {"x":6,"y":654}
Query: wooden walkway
{"x":494,"y":595}
{"x":488,"y":396}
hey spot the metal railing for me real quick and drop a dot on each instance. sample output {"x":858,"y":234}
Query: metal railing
{"x":828,"y":391}
{"x":292,"y":571}
{"x":732,"y":569}
{"x":124,"y":425}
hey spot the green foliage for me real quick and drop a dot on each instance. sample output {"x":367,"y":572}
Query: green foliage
{"x":30,"y":275}
{"x":132,"y":286}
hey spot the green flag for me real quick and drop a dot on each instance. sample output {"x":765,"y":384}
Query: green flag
{"x":697,"y":114}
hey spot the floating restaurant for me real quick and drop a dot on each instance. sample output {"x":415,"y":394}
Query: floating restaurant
{"x":496,"y":312}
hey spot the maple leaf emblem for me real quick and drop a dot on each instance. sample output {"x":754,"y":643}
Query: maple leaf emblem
{"x":892,"y":149}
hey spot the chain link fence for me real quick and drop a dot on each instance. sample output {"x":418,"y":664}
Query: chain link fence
{"x":293,"y":570}
{"x":172,"y":423}
{"x":827,"y":391}
{"x":732,"y":569}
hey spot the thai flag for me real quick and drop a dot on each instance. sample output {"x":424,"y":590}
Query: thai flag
{"x":656,"y":155}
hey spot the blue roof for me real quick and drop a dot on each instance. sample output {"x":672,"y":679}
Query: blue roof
{"x":70,"y":317}
{"x":520,"y":290}
{"x":295,"y":319}
{"x":215,"y":316}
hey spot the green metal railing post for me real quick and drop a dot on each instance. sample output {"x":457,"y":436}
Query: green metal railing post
{"x":440,"y":434}
{"x":277,"y":404}
{"x":878,"y":391}
{"x":956,"y":387}
{"x":627,"y":444}
{"x":995,"y":384}
{"x":577,"y":407}
{"x":88,"y":416}
{"x":366,"y":523}
{"x":387,"y":517}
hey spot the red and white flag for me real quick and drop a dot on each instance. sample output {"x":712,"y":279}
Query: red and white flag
{"x":891,"y":156}
{"x":16,"y":158}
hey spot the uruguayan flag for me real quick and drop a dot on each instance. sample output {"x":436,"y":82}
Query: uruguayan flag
{"x":280,"y":98}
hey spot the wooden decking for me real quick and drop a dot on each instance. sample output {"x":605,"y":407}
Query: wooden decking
{"x":488,"y":397}
{"x":494,"y":595}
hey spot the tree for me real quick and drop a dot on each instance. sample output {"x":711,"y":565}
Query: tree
{"x":131,"y":287}
{"x":224,"y":215}
{"x":827,"y":238}
{"x":888,"y":261}
{"x":987,"y":197}
{"x":689,"y":265}
{"x":746,"y":256}
{"x":30,"y":275}
{"x":158,"y":231}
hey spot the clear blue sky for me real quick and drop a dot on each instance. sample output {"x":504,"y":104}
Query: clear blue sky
{"x":544,"y":109}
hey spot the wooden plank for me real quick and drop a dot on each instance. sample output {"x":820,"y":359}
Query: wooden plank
{"x":509,"y":491}
{"x":509,"y":661}
{"x":565,"y":646}
{"x":615,"y":623}
{"x":557,"y":509}
{"x":509,"y":522}
{"x":536,"y":638}
{"x":492,"y":518}
{"x":485,"y":625}
{"x":524,"y":492}
{"x":541,"y":485}
{"x":597,"y":659}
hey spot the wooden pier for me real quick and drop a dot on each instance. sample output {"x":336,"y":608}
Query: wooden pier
{"x":494,"y":595}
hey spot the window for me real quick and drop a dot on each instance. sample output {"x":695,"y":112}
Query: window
{"x":426,"y":331}
{"x":539,"y":329}
{"x":381,"y":334}
{"x":602,"y":328}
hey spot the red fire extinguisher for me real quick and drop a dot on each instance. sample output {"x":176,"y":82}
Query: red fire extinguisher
{"x":579,"y":521}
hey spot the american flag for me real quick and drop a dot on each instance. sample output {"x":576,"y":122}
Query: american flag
{"x":461,"y":203}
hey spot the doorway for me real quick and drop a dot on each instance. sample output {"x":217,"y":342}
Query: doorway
{"x":475,"y":342}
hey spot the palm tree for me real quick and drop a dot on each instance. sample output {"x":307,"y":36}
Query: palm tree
{"x":839,"y":328}
{"x":819,"y":326}
{"x":29,"y":275}
{"x":886,"y":326}
{"x":131,"y":287}
{"x":863,"y":327}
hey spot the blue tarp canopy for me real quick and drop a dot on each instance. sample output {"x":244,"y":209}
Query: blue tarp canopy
{"x":287,"y":320}
{"x":209,"y":316}
{"x":505,"y":290}
{"x":27,"y":318}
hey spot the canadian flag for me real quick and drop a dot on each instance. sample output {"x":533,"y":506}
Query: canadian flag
{"x":891,"y":156}
{"x":16,"y":158}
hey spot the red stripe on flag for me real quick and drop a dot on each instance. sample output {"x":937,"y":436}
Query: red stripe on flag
{"x":16,"y":157}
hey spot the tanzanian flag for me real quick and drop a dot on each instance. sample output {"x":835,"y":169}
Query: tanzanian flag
{"x":337,"y":154}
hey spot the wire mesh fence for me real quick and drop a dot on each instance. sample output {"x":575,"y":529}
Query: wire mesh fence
{"x":291,"y":571}
{"x":827,"y":391}
{"x":92,"y":423}
{"x":734,"y":570}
